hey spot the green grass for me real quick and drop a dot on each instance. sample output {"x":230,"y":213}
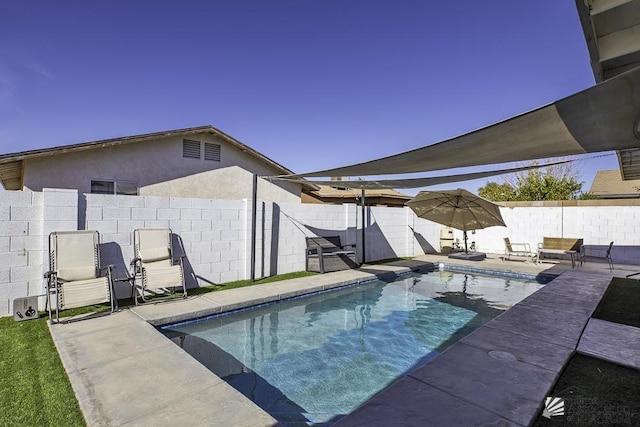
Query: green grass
{"x":244,"y":283}
{"x":34,"y":387}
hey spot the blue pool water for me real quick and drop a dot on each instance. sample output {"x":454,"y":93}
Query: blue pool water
{"x":312,"y":360}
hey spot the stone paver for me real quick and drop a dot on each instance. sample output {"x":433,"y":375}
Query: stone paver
{"x":495,"y":381}
{"x":612,"y":342}
{"x":410,"y":402}
{"x":542,"y":324}
{"x":525,"y":349}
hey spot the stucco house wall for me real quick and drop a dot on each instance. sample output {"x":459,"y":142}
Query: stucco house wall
{"x":159,"y":169}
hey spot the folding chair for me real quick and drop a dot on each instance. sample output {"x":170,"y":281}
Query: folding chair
{"x":75,"y":277}
{"x":591,"y":253}
{"x":154,"y":268}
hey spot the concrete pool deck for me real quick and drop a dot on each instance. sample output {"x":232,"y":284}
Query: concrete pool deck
{"x":125,"y":372}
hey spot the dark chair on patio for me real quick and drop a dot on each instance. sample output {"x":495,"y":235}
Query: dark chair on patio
{"x":592,"y":253}
{"x":326,"y":254}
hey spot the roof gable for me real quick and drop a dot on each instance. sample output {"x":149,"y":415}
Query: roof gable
{"x":11,"y":164}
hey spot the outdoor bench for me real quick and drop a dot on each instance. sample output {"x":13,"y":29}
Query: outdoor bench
{"x":560,"y":246}
{"x":326,"y":254}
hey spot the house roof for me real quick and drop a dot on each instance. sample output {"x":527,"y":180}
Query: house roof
{"x":348,"y":193}
{"x":608,"y":184}
{"x":341,"y":192}
{"x":11,"y":164}
{"x":612,"y":34}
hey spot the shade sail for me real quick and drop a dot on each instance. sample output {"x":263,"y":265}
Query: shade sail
{"x":601,"y":118}
{"x":418,"y":182}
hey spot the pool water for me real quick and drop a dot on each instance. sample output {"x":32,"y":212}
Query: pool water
{"x":315,"y":359}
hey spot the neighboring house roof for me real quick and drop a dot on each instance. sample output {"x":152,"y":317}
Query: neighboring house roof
{"x":608,"y":184}
{"x":342,"y":194}
{"x":11,"y":166}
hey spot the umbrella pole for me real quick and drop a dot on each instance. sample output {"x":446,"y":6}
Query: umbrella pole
{"x":464,"y":233}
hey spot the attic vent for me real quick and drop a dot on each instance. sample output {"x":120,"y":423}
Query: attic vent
{"x":212,"y":151}
{"x":190,"y":149}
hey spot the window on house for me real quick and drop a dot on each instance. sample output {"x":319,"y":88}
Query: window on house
{"x":211,"y":151}
{"x":190,"y":149}
{"x":128,"y":188}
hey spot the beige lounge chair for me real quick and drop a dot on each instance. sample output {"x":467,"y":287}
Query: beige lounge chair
{"x":155,"y":270}
{"x":517,"y":249}
{"x":75,"y":278}
{"x":587,"y":252}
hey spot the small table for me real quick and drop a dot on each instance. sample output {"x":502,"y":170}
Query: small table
{"x":572,"y":254}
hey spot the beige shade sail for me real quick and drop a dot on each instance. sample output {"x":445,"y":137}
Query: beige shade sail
{"x":601,"y":118}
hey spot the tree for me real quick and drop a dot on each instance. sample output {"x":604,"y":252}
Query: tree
{"x":497,"y":192}
{"x":556,"y":182}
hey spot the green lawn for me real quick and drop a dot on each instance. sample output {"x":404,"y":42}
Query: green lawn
{"x":34,"y":387}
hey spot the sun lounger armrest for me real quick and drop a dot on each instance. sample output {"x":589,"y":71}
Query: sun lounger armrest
{"x":520,"y":247}
{"x":107,"y":269}
{"x":48,"y":274}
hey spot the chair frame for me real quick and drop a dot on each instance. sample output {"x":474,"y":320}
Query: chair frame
{"x":607,"y":255}
{"x":138,"y":270}
{"x":510,"y":250}
{"x":327,"y":254}
{"x":54,"y":286}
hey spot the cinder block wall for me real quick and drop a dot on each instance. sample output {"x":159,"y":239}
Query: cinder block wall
{"x":215,"y":235}
{"x":21,"y":244}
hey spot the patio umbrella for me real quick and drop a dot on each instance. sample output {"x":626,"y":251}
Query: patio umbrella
{"x":458,"y":209}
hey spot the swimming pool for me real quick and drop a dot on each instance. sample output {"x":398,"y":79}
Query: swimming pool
{"x":312,"y":360}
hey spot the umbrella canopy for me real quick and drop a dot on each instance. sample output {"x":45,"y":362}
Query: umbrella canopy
{"x":459,"y":209}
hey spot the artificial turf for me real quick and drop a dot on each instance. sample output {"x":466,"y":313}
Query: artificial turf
{"x":596,"y":393}
{"x":621,"y":303}
{"x":34,"y":387}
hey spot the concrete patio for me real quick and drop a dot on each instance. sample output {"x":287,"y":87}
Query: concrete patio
{"x":125,"y":372}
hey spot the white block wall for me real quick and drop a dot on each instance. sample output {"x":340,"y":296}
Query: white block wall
{"x":21,"y":247}
{"x":216,"y":234}
{"x":212,"y":232}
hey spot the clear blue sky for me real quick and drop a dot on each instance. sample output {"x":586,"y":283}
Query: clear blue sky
{"x":312,"y":84}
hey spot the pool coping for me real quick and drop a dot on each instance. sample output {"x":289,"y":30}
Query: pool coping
{"x":115,"y":360}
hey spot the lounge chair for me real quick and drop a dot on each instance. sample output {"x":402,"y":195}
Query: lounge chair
{"x":517,"y":249}
{"x":75,"y":277}
{"x":587,"y":252}
{"x":154,"y":268}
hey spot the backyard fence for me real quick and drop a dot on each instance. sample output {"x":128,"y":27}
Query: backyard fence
{"x":215,"y":235}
